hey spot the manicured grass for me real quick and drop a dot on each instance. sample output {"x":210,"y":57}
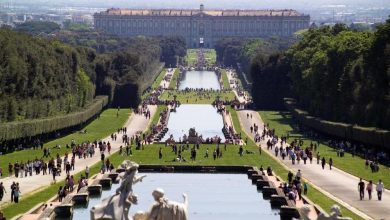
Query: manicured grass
{"x":194,"y":98}
{"x":225,"y":80}
{"x":191,"y":57}
{"x":210,"y":56}
{"x":282,"y":123}
{"x":175,"y":76}
{"x":107,"y":123}
{"x":314,"y":195}
{"x":157,"y":81}
{"x":150,"y":156}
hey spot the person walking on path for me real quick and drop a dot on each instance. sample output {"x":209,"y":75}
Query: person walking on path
{"x":323,"y":162}
{"x":87,"y":172}
{"x":16,"y":193}
{"x":330,"y":163}
{"x":379,"y":189}
{"x":13,"y":185}
{"x":369,"y":189}
{"x":2,"y":191}
{"x":361,"y":189}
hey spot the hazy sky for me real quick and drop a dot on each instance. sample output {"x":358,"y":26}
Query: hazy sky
{"x":223,"y":4}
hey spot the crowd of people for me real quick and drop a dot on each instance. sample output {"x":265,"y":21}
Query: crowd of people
{"x":57,"y":165}
{"x":372,"y":155}
{"x":369,"y":187}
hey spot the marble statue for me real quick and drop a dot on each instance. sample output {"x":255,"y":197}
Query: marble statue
{"x":335,"y":214}
{"x":304,"y":212}
{"x":164,"y":209}
{"x":117,"y":206}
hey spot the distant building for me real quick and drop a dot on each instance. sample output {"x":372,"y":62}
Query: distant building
{"x":201,"y":27}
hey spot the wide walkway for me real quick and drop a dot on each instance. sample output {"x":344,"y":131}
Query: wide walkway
{"x":234,"y":86}
{"x":164,"y":83}
{"x":29,"y":184}
{"x":338,"y":184}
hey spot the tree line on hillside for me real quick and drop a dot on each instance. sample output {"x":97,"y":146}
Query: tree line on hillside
{"x":171,"y":47}
{"x":259,"y":58}
{"x":334,"y":73}
{"x":41,"y":77}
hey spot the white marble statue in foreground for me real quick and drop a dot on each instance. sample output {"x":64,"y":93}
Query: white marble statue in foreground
{"x":164,"y":209}
{"x":117,"y":206}
{"x":335,"y":214}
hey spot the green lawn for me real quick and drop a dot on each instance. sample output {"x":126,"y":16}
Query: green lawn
{"x":160,"y":77}
{"x":210,"y":56}
{"x":191,"y":57}
{"x":225,"y":80}
{"x":100,"y":128}
{"x":194,"y":98}
{"x":282,"y":121}
{"x":175,"y":76}
{"x":150,"y":156}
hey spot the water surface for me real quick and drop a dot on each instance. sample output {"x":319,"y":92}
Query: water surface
{"x":211,"y":196}
{"x":204,"y":118}
{"x":200,"y":80}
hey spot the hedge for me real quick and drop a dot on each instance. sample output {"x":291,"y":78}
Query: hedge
{"x":368,"y":135}
{"x":30,"y":128}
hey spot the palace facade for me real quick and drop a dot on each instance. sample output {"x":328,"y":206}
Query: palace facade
{"x":201,"y":27}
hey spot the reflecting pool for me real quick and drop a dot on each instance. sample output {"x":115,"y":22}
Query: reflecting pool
{"x":200,"y":80}
{"x":210,"y":196}
{"x":204,"y":118}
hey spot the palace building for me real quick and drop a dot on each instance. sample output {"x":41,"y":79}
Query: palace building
{"x":201,"y":27}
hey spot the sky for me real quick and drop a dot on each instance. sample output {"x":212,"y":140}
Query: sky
{"x":220,"y":4}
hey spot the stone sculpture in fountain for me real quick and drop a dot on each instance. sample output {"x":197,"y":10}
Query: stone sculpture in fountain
{"x":117,"y":206}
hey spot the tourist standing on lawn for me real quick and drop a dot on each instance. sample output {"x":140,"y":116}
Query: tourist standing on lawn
{"x":361,"y":189}
{"x":379,"y":189}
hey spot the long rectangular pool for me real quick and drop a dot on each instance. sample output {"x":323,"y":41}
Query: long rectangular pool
{"x":204,"y":118}
{"x":210,"y":196}
{"x":200,"y":80}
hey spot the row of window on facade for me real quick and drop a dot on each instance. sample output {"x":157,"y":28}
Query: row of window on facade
{"x":187,"y":25}
{"x":229,"y":32}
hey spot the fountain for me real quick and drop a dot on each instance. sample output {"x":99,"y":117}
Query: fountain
{"x":117,"y":206}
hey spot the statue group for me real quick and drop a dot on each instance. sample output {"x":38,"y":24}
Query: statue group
{"x":117,"y":206}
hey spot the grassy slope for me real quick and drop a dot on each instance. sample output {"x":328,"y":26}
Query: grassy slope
{"x":313,"y":194}
{"x":225,"y":80}
{"x":175,"y":76}
{"x":282,"y":122}
{"x":160,"y":77}
{"x":210,"y":56}
{"x":191,"y":57}
{"x":97,"y":129}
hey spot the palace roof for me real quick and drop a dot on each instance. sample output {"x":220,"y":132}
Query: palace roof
{"x":183,"y":12}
